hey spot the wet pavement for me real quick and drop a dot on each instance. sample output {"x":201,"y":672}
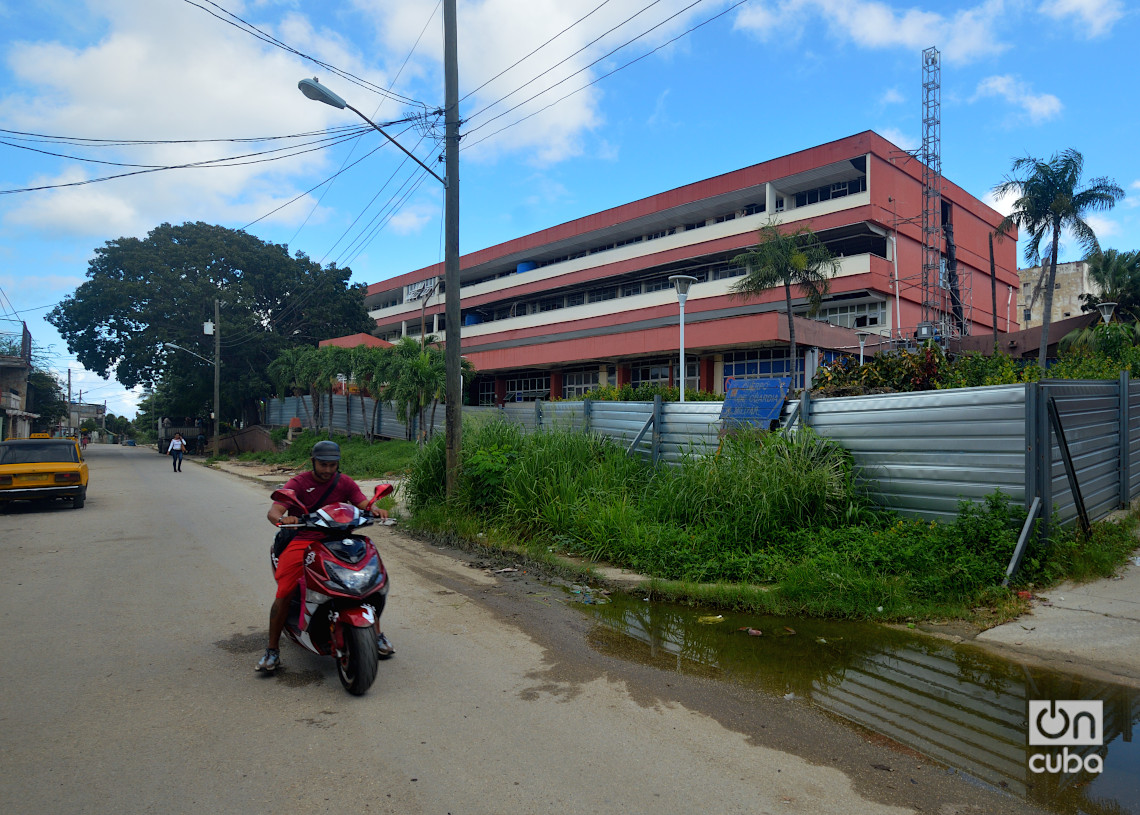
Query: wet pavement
{"x":955,"y":703}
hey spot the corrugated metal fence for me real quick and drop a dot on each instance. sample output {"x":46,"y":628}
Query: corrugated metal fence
{"x":918,"y":453}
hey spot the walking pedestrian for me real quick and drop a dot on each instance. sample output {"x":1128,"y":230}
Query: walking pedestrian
{"x":177,"y":448}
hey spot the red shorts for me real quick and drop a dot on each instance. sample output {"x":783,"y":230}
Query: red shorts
{"x":290,"y":567}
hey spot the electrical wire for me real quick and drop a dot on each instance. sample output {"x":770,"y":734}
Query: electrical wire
{"x":80,"y":141}
{"x":592,"y":64}
{"x":535,"y":51}
{"x":395,"y":79}
{"x":251,"y":29}
{"x":604,"y":34}
{"x":603,"y":76}
{"x":233,"y":161}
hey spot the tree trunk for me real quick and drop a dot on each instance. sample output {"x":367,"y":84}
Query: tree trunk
{"x":792,"y":336}
{"x":434,"y":404}
{"x":375,"y":409}
{"x":363,"y":421}
{"x":1047,"y":317}
{"x":308,"y":418}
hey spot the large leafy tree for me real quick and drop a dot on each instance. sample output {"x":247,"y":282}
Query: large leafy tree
{"x":141,"y":294}
{"x":46,"y":397}
{"x":791,"y":259}
{"x":1049,"y":198}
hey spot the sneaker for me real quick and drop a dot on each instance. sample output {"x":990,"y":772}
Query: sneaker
{"x":270,"y":662}
{"x":384,"y":648}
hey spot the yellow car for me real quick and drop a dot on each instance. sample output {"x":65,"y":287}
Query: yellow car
{"x":42,"y":468}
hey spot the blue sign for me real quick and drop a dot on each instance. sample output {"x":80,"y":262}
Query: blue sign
{"x":756,"y":402}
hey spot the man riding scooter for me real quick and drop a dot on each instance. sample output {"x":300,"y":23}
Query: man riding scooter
{"x":325,"y":484}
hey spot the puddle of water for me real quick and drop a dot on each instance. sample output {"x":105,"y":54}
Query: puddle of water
{"x":953,"y":703}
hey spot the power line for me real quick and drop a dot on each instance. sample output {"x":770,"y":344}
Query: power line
{"x":600,"y":78}
{"x":570,"y":57}
{"x":395,"y":78}
{"x":536,"y":50}
{"x":233,"y":161}
{"x":81,"y":141}
{"x":249,"y":28}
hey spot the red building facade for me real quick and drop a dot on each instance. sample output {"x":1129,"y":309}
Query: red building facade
{"x":589,"y":302}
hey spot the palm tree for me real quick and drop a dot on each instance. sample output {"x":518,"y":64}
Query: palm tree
{"x":1117,"y":278}
{"x":363,"y":360}
{"x":285,"y":373}
{"x":335,"y":363}
{"x":787,"y":259}
{"x":309,"y":372}
{"x":1049,"y":198}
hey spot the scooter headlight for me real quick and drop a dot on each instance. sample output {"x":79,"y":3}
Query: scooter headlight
{"x":358,"y":580}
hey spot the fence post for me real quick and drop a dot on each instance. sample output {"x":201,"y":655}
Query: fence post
{"x":656,"y":443}
{"x":538,"y":414}
{"x":1125,"y":442}
{"x":1038,"y":454}
{"x":805,"y":406}
{"x":587,"y":412}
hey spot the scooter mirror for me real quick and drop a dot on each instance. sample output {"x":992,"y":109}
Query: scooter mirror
{"x":382,"y":490}
{"x":286,"y":497}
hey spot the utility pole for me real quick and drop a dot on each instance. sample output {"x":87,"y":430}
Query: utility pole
{"x":454,"y":410}
{"x":217,"y":372}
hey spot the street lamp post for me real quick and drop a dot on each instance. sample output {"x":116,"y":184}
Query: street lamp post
{"x":314,"y":90}
{"x":1106,"y":308}
{"x":682,"y":282}
{"x":862,"y":335}
{"x":217,"y":369}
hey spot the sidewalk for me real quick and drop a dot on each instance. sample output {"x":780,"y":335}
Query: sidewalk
{"x":1093,"y":627}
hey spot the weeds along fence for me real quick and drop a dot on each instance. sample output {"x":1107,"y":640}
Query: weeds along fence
{"x":1063,"y":449}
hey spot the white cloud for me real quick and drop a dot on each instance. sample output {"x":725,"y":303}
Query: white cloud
{"x":1097,"y":16}
{"x":498,"y":33}
{"x":892,"y":96}
{"x":1003,"y":203}
{"x":211,"y":81}
{"x":1102,"y":227}
{"x":899,"y":138}
{"x":966,"y":35}
{"x":1038,"y":107}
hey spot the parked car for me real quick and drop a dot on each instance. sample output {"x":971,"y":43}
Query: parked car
{"x":42,"y":468}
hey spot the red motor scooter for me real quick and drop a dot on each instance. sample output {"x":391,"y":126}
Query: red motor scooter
{"x":342,"y":589}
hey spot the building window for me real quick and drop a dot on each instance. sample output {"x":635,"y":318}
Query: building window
{"x":579,"y":383}
{"x":861,"y":315}
{"x":754,"y":209}
{"x":528,"y":388}
{"x":550,"y":304}
{"x":765,"y":363}
{"x":653,"y":373}
{"x":657,"y":284}
{"x":486,"y":393}
{"x":1028,"y":315}
{"x":779,"y":205}
{"x":630,"y":289}
{"x":608,"y":293}
{"x":575,"y":299}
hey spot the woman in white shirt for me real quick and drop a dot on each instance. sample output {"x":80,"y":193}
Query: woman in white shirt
{"x":177,"y":448}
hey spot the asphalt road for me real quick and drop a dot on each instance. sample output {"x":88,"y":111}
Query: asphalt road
{"x":130,"y":629}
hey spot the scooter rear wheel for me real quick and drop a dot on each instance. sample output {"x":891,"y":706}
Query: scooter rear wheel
{"x":357,"y":668}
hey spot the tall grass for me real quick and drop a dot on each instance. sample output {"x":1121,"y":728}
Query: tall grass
{"x":766,"y":509}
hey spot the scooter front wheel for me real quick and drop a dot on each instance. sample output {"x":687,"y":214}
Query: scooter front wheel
{"x":357,"y":664}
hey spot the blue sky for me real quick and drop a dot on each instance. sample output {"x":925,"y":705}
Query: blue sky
{"x":762,"y":79}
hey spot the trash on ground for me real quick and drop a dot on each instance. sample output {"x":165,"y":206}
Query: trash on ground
{"x":712,"y":620}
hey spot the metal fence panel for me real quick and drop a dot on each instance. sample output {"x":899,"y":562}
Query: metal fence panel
{"x":921,"y":453}
{"x":689,"y":428}
{"x":1089,"y":413}
{"x":1134,"y":439}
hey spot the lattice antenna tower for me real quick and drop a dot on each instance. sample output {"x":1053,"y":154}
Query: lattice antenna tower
{"x":934,"y":305}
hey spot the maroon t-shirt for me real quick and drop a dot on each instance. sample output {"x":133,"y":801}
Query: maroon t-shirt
{"x":309,"y":489}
